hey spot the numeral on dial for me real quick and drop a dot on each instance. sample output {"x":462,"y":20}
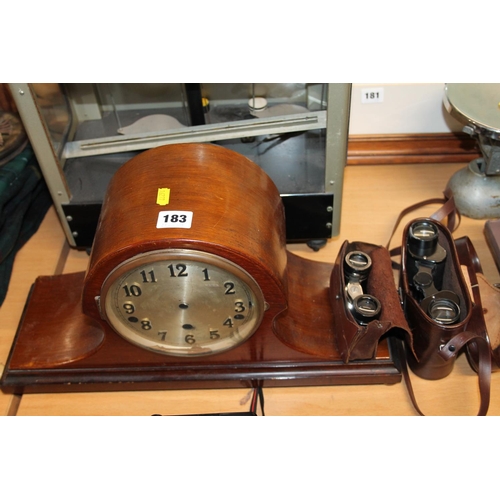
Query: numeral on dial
{"x":178,"y":271}
{"x":148,"y":277}
{"x":146,"y":324}
{"x":239,"y":307}
{"x":129,"y":307}
{"x":132,"y":291}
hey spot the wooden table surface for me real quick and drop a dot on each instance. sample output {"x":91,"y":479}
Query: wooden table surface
{"x":373,"y":196}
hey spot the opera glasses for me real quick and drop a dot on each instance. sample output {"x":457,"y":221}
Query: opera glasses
{"x":426,"y":265}
{"x":364,"y":307}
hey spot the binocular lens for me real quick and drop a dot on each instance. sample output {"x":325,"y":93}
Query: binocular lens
{"x":423,"y":238}
{"x":444,"y":311}
{"x":423,"y":279}
{"x":365,"y":308}
{"x":357,"y":265}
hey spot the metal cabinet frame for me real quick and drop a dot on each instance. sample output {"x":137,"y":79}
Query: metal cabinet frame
{"x":335,"y":119}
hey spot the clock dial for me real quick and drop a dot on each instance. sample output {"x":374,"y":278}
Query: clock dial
{"x":182,"y":302}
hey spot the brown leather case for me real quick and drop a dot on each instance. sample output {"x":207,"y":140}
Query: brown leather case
{"x":355,"y":341}
{"x":430,"y":360}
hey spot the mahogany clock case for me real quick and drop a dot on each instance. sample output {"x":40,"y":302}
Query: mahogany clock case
{"x":64,"y":343}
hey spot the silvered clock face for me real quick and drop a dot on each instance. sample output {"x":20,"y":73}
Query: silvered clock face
{"x":182,"y":302}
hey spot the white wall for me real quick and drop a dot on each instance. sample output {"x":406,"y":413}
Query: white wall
{"x":402,"y":108}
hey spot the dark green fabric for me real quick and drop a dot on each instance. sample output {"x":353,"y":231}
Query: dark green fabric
{"x":24,"y":201}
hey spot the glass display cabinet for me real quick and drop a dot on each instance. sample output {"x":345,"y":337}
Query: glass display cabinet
{"x":296,"y":132}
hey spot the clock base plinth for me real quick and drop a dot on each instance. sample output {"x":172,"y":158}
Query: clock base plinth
{"x":57,"y":349}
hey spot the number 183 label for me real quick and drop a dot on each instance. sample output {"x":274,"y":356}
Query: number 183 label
{"x":174,"y":219}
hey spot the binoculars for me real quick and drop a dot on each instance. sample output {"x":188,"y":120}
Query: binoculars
{"x":364,"y":307}
{"x":426,"y":266}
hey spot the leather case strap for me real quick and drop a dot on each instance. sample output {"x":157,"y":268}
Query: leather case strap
{"x":469,"y":259}
{"x":448,"y":351}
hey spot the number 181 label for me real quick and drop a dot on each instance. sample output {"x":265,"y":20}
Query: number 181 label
{"x":174,"y":218}
{"x":372,"y":95}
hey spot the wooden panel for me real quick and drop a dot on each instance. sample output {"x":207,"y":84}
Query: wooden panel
{"x":414,"y":148}
{"x":40,"y":255}
{"x":140,"y":403}
{"x":456,"y":394}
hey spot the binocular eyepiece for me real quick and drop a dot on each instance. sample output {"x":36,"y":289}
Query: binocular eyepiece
{"x":426,"y":265}
{"x":363,"y":307}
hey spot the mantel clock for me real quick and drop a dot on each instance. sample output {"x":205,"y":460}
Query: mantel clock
{"x":189,"y":284}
